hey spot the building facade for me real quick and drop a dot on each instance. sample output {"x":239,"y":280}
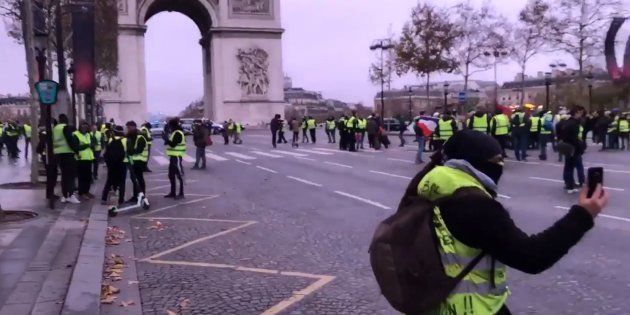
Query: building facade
{"x":14,"y":107}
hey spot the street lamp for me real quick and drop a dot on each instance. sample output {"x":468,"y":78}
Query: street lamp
{"x":382,"y":45}
{"x":547,"y":85}
{"x":589,"y":77}
{"x":497,"y":53}
{"x":410,"y":90}
{"x":446,"y":85}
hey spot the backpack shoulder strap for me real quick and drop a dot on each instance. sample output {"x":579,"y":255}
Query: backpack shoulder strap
{"x":470,"y":266}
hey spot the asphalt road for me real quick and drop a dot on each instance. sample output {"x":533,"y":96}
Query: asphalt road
{"x":287,"y":231}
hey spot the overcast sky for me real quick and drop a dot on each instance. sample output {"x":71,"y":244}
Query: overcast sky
{"x":325,"y":48}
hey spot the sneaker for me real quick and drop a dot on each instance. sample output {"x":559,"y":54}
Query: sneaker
{"x":73,"y":199}
{"x":572,"y":191}
{"x":63,"y":199}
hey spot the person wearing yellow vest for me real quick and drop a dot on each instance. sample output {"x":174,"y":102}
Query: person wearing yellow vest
{"x":138,"y":153}
{"x":613,"y":132}
{"x":11,"y":135}
{"x":330,"y":129}
{"x":479,"y":121}
{"x":446,"y":128}
{"x":500,"y":129}
{"x":304,"y":127}
{"x":341,"y":125}
{"x":546,"y":133}
{"x":99,"y":143}
{"x":146,"y":132}
{"x":469,"y":222}
{"x":238,"y":128}
{"x":351,"y":127}
{"x":520,"y":126}
{"x":175,"y":149}
{"x":534,"y":130}
{"x":311,"y":124}
{"x":65,"y":146}
{"x":27,"y":131}
{"x":360,"y":132}
{"x":85,"y":160}
{"x":624,"y":130}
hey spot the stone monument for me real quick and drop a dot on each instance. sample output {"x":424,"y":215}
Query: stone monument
{"x":242,"y":58}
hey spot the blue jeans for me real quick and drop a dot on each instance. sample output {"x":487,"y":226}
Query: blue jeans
{"x":420,"y":140}
{"x":570,"y":163}
{"x":520,"y":145}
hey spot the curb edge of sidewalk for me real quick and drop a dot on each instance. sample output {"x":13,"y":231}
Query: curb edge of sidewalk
{"x":84,"y":293}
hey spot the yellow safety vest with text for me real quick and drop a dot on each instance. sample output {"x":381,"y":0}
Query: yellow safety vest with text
{"x":60,"y":145}
{"x":144,"y":155}
{"x":535,"y":120}
{"x":475,"y":294}
{"x":84,"y":139}
{"x":446,"y":129}
{"x":480,"y":123}
{"x":11,"y":132}
{"x":312,"y":124}
{"x":330,"y":124}
{"x":239,"y":127}
{"x":502,"y":124}
{"x":180,"y":148}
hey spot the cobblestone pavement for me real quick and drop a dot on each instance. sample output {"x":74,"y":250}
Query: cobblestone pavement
{"x":287,"y":231}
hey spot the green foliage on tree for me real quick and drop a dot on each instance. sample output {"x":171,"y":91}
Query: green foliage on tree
{"x":193,"y":110}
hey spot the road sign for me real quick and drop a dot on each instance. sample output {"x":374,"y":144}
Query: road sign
{"x":462,"y":97}
{"x":47,"y":91}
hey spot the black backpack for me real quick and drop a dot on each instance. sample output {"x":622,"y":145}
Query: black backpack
{"x":405,"y":258}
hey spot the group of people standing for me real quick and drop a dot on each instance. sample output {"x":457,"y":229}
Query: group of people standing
{"x":10,"y":132}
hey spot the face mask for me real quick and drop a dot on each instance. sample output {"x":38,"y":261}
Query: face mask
{"x":493,"y":170}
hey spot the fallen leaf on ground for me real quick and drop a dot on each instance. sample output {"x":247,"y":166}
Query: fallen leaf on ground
{"x":169,"y":312}
{"x":127,"y":303}
{"x":108,"y":300}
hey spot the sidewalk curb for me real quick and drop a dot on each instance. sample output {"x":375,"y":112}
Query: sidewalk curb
{"x":85,"y":287}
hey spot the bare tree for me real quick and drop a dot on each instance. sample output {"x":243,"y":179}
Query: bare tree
{"x":531,"y":35}
{"x":388,"y":64}
{"x":580,"y":28}
{"x":426,"y":43}
{"x":480,"y":30}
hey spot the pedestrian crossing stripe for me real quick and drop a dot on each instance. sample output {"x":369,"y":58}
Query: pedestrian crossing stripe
{"x":314,"y":152}
{"x":240,"y":156}
{"x":216,"y":157}
{"x":188,"y":158}
{"x":328,"y":150}
{"x":160,"y":160}
{"x":267,"y":154}
{"x":290,"y":153}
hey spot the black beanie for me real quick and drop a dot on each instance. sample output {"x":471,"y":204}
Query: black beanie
{"x":472,"y":146}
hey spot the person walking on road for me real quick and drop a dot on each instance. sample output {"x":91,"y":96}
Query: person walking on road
{"x":99,"y":143}
{"x":281,"y":138}
{"x":27,"y":130}
{"x":304,"y":130}
{"x":402,"y":127}
{"x":500,"y":128}
{"x":477,"y":225}
{"x":175,"y":150}
{"x":312,"y":128}
{"x":479,"y":121}
{"x":145,"y":130}
{"x":225,"y":133}
{"x":351,"y":127}
{"x":372,"y":132}
{"x":571,"y":135}
{"x":330,"y":129}
{"x":294,"y":125}
{"x":446,"y":128}
{"x":624,"y":131}
{"x":521,"y":125}
{"x":200,"y":138}
{"x":11,"y":135}
{"x":85,"y":160}
{"x":534,"y":131}
{"x":138,"y":152}
{"x":274,"y":125}
{"x":65,"y":147}
{"x":546,"y":134}
{"x":422,"y":131}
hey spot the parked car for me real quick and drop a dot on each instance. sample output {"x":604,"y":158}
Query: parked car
{"x":157,"y":129}
{"x":215,"y":128}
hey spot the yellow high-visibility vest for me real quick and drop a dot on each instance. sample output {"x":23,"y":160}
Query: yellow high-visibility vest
{"x":144,"y":155}
{"x":180,"y":148}
{"x":480,"y":123}
{"x":502,"y":124}
{"x":330,"y":124}
{"x":446,"y":129}
{"x":362,"y":123}
{"x":60,"y":145}
{"x":535,"y":120}
{"x":84,"y":139}
{"x":27,"y":131}
{"x":311,"y":123}
{"x":98,"y":136}
{"x":623,"y":126}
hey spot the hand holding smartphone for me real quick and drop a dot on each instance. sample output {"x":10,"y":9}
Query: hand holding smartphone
{"x":595,"y":177}
{"x":594,"y":198}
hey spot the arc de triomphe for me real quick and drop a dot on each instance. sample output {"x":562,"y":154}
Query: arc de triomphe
{"x":242,"y":58}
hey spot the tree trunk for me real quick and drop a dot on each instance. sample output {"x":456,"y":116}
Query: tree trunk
{"x":523,"y":67}
{"x":27,"y":33}
{"x":466,"y":77}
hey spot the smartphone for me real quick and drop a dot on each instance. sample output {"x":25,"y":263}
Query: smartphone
{"x":595,"y":177}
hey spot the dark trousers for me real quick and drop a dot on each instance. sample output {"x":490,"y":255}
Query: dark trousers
{"x":296,"y":137}
{"x":84,"y":175}
{"x":371,"y":138}
{"x":613,"y":141}
{"x":313,"y":135}
{"x":95,"y":164}
{"x":51,"y":176}
{"x":543,"y":139}
{"x":148,"y":157}
{"x":360,"y":136}
{"x":533,"y":140}
{"x":274,"y":137}
{"x":351,"y":140}
{"x":438,"y":144}
{"x":281,"y":138}
{"x":115,"y":179}
{"x":343,"y":140}
{"x":27,"y":143}
{"x":12,"y":147}
{"x":502,"y":139}
{"x":304,"y":136}
{"x":520,"y":145}
{"x":401,"y":136}
{"x":175,"y":172}
{"x":624,"y":136}
{"x":571,"y":163}
{"x":200,"y":157}
{"x":331,"y":135}
{"x":226,"y":137}
{"x":68,"y":166}
{"x":137,"y":177}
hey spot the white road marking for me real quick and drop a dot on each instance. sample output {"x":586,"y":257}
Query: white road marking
{"x":160,"y":160}
{"x":158,"y":188}
{"x":372,"y":151}
{"x":304,"y":181}
{"x":216,"y":157}
{"x":290,"y":153}
{"x":142,"y":215}
{"x":562,"y":165}
{"x":400,"y":160}
{"x":523,"y":162}
{"x":307,"y":159}
{"x":504,"y":196}
{"x":374,"y":203}
{"x":298,"y":295}
{"x":561,"y":181}
{"x":338,"y":164}
{"x":188,"y":158}
{"x":275,"y":156}
{"x":243,"y":162}
{"x":391,"y":175}
{"x":240,"y":156}
{"x":266,"y":169}
{"x":612,"y":217}
{"x":314,"y":152}
{"x":330,"y":150}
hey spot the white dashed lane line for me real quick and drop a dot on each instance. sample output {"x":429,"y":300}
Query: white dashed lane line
{"x":243,"y":162}
{"x":400,"y":160}
{"x":275,"y":156}
{"x":266,"y":169}
{"x":290,"y":153}
{"x":304,"y":181}
{"x":216,"y":157}
{"x":338,"y":164}
{"x":561,"y":181}
{"x":314,"y":152}
{"x":391,"y":175}
{"x":240,"y":156}
{"x":374,"y":203}
{"x":612,"y":217}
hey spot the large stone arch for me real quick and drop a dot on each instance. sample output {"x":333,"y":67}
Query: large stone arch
{"x":242,"y":58}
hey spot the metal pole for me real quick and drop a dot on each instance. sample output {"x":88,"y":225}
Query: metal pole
{"x":590,"y":97}
{"x":410,"y":114}
{"x":445,"y":99}
{"x":496,"y":84}
{"x":382,"y":87}
{"x":547,"y":96}
{"x":62,"y":105}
